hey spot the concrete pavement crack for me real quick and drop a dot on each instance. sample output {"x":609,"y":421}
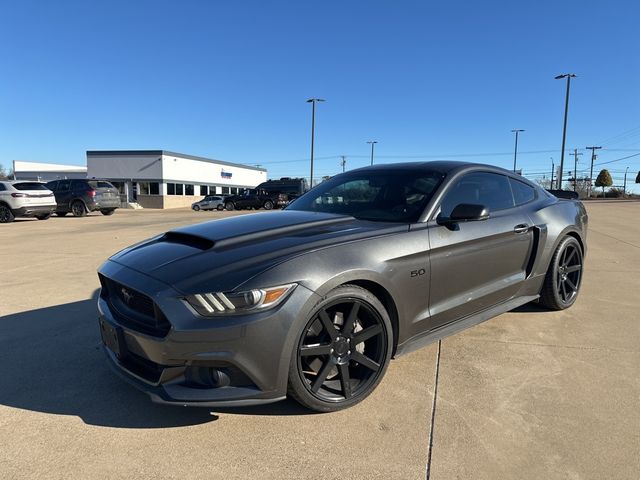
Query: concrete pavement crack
{"x":576,"y":347}
{"x":433,"y":410}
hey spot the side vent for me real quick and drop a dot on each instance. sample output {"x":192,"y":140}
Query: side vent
{"x":188,"y":239}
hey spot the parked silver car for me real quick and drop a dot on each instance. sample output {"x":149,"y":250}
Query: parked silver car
{"x":210,"y":202}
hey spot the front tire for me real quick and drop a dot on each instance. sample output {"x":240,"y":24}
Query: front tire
{"x":108,"y":211}
{"x":78,"y":209}
{"x":229,"y":206}
{"x":562,"y":282}
{"x":268,"y":205}
{"x":342,"y":352}
{"x":6,"y":215}
{"x":220,"y":207}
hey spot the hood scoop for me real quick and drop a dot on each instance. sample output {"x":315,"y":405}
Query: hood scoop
{"x":188,"y":239}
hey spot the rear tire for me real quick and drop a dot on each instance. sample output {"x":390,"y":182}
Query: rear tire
{"x":220,"y":207}
{"x":196,"y":208}
{"x":229,"y":206}
{"x":268,"y":205}
{"x":61,"y":214}
{"x":562,"y":282}
{"x":109,"y":211}
{"x":6,"y":215}
{"x":78,"y":209}
{"x":342,"y":352}
{"x":44,"y":217}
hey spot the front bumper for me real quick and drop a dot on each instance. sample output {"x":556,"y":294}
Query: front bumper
{"x":176,"y":365}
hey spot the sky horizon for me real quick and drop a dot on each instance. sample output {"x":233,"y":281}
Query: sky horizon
{"x":230,"y":81}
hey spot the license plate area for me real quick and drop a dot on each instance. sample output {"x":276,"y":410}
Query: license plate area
{"x":112,"y":337}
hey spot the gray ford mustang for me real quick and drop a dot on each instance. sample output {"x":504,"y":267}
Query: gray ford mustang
{"x":315,"y":300}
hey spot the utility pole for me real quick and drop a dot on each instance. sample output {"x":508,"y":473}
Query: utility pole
{"x":593,"y":158}
{"x":568,"y":76}
{"x":313,"y":102}
{"x":553,"y":168}
{"x":343,"y":162}
{"x":624,"y":188}
{"x":515,"y":152}
{"x":575,"y":169}
{"x":372,"y":142}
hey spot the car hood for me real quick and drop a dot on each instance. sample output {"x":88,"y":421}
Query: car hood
{"x":222,"y":254}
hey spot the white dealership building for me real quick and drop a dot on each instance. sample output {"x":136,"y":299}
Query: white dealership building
{"x":163,"y":179}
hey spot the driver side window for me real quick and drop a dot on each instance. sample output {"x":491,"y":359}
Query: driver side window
{"x":480,"y":188}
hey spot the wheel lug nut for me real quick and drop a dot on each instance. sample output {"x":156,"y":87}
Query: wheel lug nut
{"x":349,"y":352}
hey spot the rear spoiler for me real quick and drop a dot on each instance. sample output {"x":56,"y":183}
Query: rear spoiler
{"x":567,"y":194}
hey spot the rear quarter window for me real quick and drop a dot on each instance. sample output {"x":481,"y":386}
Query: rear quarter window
{"x":522,"y":193}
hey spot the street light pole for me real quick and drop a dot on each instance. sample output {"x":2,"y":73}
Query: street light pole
{"x":313,"y":101}
{"x":372,"y":142}
{"x":343,"y":162}
{"x":568,"y":76}
{"x":515,"y":152}
{"x":624,"y":188}
{"x":552,"y":174}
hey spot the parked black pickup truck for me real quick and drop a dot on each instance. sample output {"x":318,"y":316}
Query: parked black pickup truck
{"x":255,"y":198}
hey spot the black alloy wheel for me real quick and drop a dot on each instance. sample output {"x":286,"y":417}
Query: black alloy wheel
{"x":78,"y":209}
{"x":6,"y":215}
{"x":268,"y":205}
{"x":562,"y":283}
{"x":343,"y":351}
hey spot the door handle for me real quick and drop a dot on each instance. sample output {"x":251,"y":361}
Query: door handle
{"x":521,"y":228}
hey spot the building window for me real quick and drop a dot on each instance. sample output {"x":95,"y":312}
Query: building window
{"x":234,"y":190}
{"x":204,"y":190}
{"x":149,"y":188}
{"x":225,"y":190}
{"x":179,"y":189}
{"x":171,"y":188}
{"x":188,"y":189}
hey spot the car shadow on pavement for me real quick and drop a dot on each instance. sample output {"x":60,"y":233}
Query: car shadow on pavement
{"x":51,"y":361}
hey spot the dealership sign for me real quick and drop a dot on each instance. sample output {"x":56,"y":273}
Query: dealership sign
{"x":224,"y":174}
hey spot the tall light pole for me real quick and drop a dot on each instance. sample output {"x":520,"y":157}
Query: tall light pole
{"x":568,"y":76}
{"x":624,"y":188}
{"x":575,"y":169}
{"x":343,"y":162}
{"x":515,"y":152}
{"x":552,"y":173}
{"x":372,"y":142}
{"x":313,"y":101}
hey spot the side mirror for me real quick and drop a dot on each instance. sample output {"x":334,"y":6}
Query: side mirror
{"x":465,"y":212}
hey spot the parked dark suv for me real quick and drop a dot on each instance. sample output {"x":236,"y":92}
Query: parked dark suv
{"x":82,"y":196}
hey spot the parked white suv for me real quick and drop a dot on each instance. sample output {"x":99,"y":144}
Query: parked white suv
{"x":25,"y":199}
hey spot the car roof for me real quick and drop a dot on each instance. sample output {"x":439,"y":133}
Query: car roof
{"x":445,"y":167}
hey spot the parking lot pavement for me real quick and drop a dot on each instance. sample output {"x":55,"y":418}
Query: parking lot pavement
{"x":530,"y":394}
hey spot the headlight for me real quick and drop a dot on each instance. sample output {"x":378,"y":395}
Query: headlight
{"x":225,"y":303}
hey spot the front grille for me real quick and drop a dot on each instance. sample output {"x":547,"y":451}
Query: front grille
{"x":134,"y":309}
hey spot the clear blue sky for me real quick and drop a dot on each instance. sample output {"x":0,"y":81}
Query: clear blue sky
{"x":229,"y":80}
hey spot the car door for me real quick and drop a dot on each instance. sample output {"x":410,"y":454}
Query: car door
{"x":477,"y":264}
{"x":63,"y":195}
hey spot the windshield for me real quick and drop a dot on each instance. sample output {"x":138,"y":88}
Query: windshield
{"x":376,"y":195}
{"x":30,"y":186}
{"x":100,"y":184}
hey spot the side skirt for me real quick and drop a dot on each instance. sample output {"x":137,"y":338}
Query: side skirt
{"x":439,"y":333}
